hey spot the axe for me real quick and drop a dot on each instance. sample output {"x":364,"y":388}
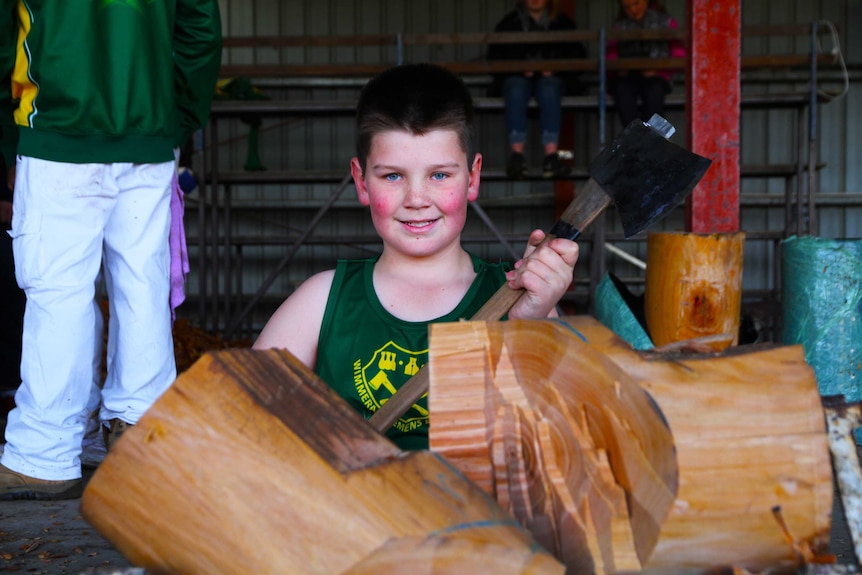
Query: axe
{"x":641,"y":172}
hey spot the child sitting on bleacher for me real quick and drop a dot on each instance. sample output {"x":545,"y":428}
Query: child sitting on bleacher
{"x":647,"y":86}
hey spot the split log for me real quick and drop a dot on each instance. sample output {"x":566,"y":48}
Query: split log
{"x":250,"y":464}
{"x":693,"y":287}
{"x":841,"y":420}
{"x":622,"y":461}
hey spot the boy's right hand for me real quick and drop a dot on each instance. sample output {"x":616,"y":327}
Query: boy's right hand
{"x":545,"y":273}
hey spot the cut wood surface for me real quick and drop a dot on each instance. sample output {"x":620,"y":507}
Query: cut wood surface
{"x":566,"y":441}
{"x":554,"y":418}
{"x":693,"y":287}
{"x":250,"y":464}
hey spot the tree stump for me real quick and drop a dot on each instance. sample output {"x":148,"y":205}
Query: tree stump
{"x":694,"y":287}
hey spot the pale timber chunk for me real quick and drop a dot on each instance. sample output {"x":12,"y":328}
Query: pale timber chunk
{"x":250,"y":464}
{"x":551,"y":416}
{"x":660,"y":463}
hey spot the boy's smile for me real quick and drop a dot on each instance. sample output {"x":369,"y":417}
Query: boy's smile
{"x":418,"y":188}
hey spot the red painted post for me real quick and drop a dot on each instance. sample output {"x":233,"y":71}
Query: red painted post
{"x":712,"y":112}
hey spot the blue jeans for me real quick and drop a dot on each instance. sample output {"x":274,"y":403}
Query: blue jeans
{"x":650,"y":89}
{"x":548,"y":91}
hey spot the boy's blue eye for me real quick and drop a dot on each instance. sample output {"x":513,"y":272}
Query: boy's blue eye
{"x":439,"y":176}
{"x":393,"y":177}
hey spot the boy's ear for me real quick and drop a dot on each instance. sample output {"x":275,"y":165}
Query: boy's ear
{"x":475,"y":173}
{"x":359,"y":182}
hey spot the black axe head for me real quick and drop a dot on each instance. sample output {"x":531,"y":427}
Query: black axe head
{"x":645,"y":174}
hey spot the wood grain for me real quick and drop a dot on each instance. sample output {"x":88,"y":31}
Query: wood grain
{"x":562,"y":444}
{"x":694,"y":287}
{"x":250,"y":464}
{"x":554,"y":418}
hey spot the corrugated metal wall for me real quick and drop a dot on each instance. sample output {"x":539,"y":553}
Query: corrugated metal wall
{"x":326,"y":143}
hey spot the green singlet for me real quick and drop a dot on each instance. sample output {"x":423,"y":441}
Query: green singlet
{"x":366,"y":354}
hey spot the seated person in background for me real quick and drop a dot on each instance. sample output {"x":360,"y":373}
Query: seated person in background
{"x":547,"y":87}
{"x":648,"y":86}
{"x":363,"y":327}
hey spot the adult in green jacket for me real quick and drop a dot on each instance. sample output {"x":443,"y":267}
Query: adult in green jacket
{"x":101,"y":94}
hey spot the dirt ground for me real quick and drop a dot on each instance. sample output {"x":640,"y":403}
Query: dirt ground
{"x":51,"y":538}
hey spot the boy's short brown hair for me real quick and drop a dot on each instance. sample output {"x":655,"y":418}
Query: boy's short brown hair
{"x":414,"y":98}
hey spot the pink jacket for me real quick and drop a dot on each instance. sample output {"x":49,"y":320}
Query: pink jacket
{"x":653,"y":19}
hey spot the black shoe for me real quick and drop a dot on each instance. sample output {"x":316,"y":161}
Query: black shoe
{"x":553,"y":166}
{"x":113,"y":430}
{"x":516,"y":166}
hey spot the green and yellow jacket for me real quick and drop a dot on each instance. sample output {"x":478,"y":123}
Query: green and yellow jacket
{"x":105,"y":81}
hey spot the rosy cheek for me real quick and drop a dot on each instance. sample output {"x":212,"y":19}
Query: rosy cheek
{"x":447,"y":202}
{"x":453,"y":202}
{"x":385,"y":208}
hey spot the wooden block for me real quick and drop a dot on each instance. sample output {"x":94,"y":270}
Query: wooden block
{"x":590,"y":415}
{"x":249,"y":463}
{"x":661,"y":463}
{"x":694,"y":287}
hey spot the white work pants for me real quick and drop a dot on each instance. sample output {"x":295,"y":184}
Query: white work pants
{"x":66,"y":219}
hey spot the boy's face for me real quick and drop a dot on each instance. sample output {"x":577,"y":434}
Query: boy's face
{"x":418,"y":188}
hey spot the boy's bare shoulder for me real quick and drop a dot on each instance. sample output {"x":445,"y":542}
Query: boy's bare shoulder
{"x":295,"y":325}
{"x":310,"y":296}
{"x":318,"y":280}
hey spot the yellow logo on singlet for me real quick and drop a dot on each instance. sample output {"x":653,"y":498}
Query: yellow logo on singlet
{"x":387,"y":370}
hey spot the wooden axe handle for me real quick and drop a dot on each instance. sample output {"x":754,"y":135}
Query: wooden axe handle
{"x":588,"y":203}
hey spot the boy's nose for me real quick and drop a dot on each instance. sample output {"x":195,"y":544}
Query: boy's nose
{"x":416,"y":194}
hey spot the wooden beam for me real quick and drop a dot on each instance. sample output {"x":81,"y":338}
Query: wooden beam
{"x":580,"y":35}
{"x":358,"y":69}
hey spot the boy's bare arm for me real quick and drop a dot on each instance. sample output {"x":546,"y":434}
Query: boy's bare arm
{"x":295,"y":325}
{"x":545,"y":275}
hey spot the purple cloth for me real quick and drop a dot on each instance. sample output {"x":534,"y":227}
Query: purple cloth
{"x":179,"y":253}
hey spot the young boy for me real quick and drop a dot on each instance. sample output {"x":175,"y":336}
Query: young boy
{"x":363,"y":326}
